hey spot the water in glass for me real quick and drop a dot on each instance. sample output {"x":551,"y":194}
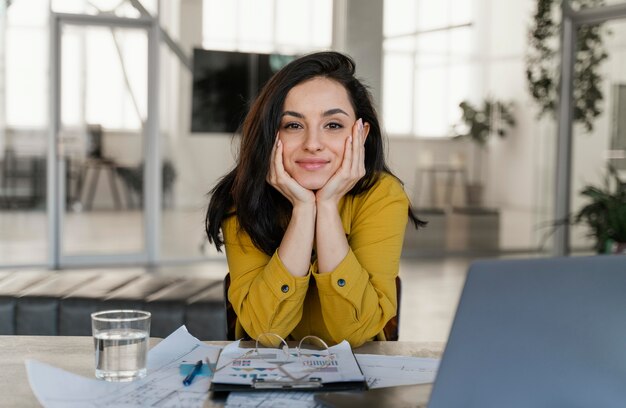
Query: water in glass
{"x":121,"y":354}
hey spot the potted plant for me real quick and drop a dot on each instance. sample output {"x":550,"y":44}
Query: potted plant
{"x":477,"y":125}
{"x":605,"y":213}
{"x":542,"y":62}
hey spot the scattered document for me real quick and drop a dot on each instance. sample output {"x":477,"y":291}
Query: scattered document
{"x":272,"y":399}
{"x":162,"y":387}
{"x":390,"y":371}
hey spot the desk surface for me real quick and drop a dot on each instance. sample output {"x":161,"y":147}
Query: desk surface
{"x":75,"y":354}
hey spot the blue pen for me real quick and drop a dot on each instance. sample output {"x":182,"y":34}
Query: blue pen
{"x":196,"y":369}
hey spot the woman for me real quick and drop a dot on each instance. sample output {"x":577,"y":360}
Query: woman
{"x":311,"y":217}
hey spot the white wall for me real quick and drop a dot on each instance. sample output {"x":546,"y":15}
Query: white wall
{"x":520,"y":167}
{"x":358,"y":31}
{"x":200,"y":158}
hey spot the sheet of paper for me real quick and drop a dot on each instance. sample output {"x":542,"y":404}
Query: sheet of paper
{"x":272,"y":399}
{"x":240,"y":365}
{"x":162,"y":386}
{"x":389,"y":371}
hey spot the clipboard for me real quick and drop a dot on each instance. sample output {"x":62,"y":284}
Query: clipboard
{"x":344,"y":372}
{"x":290,"y":386}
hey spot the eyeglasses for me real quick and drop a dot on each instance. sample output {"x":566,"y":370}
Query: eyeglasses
{"x":290,"y":368}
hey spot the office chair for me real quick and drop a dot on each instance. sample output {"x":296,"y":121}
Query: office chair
{"x":390,"y":330}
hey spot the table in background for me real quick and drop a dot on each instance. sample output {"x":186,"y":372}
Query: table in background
{"x":75,"y":354}
{"x":430,"y":175}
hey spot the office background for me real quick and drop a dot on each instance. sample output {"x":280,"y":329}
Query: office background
{"x":100,"y":168}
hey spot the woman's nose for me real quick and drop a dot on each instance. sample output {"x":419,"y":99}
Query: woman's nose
{"x":312,"y":141}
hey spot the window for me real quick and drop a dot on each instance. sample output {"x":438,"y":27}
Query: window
{"x":267,"y":26}
{"x":112,"y":65}
{"x":429,"y":65}
{"x":88,"y":56}
{"x":26,"y":64}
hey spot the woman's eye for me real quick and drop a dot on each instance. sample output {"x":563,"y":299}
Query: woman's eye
{"x":292,"y":125}
{"x":334,"y":125}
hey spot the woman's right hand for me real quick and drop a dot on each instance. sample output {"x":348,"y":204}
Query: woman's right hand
{"x":278,"y":178}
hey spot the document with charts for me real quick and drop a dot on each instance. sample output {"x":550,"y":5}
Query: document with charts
{"x":246,"y":368}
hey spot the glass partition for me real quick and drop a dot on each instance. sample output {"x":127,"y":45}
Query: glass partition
{"x":103,"y":96}
{"x":23,"y":132}
{"x":605,"y":145}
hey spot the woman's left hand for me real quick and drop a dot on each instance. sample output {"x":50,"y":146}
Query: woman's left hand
{"x":352,"y":167}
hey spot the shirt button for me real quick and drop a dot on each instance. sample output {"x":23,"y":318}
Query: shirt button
{"x":285,"y":288}
{"x":341,"y":283}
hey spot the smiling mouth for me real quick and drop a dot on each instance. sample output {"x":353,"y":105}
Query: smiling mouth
{"x":312,"y":164}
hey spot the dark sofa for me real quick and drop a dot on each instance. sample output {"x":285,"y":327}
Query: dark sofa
{"x":60,"y":302}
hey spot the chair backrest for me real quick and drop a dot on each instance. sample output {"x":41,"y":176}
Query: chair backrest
{"x":391,"y":329}
{"x":231,"y":316}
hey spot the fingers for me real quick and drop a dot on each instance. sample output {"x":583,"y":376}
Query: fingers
{"x":271,"y":174}
{"x":280,"y":179}
{"x":277,"y":173}
{"x":348,"y":154}
{"x":358,"y":151}
{"x":279,"y":156}
{"x":354,"y":159}
{"x":352,"y":168}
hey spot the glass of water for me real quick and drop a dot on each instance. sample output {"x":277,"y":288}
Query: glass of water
{"x":120,"y":339}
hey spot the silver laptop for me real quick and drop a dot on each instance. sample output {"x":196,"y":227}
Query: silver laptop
{"x":538,"y":333}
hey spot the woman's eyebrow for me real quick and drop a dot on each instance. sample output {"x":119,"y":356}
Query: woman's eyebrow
{"x":334,"y":111}
{"x":329,"y":112}
{"x":292,"y":113}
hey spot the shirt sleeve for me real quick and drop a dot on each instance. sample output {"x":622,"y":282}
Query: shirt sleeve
{"x":264,"y":295}
{"x":358,"y":298}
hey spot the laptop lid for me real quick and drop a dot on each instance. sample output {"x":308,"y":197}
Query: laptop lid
{"x":538,"y":333}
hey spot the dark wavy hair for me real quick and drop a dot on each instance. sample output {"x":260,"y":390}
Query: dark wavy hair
{"x":263,"y":212}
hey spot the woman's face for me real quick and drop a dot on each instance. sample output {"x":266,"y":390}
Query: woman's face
{"x":317,"y":119}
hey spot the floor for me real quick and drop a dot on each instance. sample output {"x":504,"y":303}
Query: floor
{"x":430,"y":293}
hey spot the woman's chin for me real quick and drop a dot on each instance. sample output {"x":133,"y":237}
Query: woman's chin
{"x":312,"y":185}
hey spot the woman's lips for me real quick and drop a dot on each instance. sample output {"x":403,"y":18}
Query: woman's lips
{"x":312,"y":164}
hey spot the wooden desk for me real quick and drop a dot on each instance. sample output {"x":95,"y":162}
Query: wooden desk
{"x":75,"y":354}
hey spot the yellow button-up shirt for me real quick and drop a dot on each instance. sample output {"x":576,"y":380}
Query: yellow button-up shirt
{"x":352,"y":302}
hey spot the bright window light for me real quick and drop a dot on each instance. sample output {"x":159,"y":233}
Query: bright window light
{"x":267,"y":26}
{"x":428,"y":53}
{"x":93,"y":87}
